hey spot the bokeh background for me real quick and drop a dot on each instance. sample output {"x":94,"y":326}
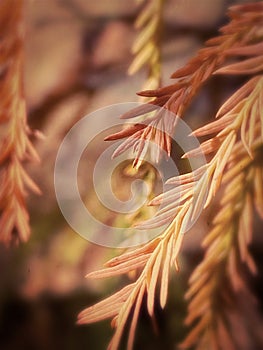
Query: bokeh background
{"x":77,"y":54}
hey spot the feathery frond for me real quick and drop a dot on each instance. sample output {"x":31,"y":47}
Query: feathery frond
{"x":15,"y":144}
{"x":156,"y":257}
{"x":234,"y":146}
{"x":239,"y":37}
{"x":147,"y":46}
{"x":217,"y":278}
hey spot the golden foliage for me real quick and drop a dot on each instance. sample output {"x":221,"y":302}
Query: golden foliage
{"x":158,"y":256}
{"x":218,"y":277}
{"x":235,"y":147}
{"x":146,"y":47}
{"x":15,"y":144}
{"x":242,"y":36}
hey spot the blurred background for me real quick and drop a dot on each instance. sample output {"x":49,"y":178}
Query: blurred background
{"x":76,"y":57}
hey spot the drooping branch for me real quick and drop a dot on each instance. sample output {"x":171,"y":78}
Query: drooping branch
{"x":242,"y":36}
{"x":15,"y":144}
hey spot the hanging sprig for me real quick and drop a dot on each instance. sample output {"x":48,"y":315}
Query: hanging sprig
{"x":242,"y":36}
{"x":234,"y":144}
{"x":181,"y":205}
{"x":217,"y":279}
{"x":147,"y":45}
{"x":154,"y":259}
{"x":14,"y":140}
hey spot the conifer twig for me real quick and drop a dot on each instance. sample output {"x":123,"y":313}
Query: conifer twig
{"x":234,"y":143}
{"x":15,"y":144}
{"x":147,"y":45}
{"x":217,"y":278}
{"x":156,"y":258}
{"x":238,"y":37}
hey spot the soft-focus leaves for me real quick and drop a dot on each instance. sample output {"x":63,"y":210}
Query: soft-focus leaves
{"x":16,"y":147}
